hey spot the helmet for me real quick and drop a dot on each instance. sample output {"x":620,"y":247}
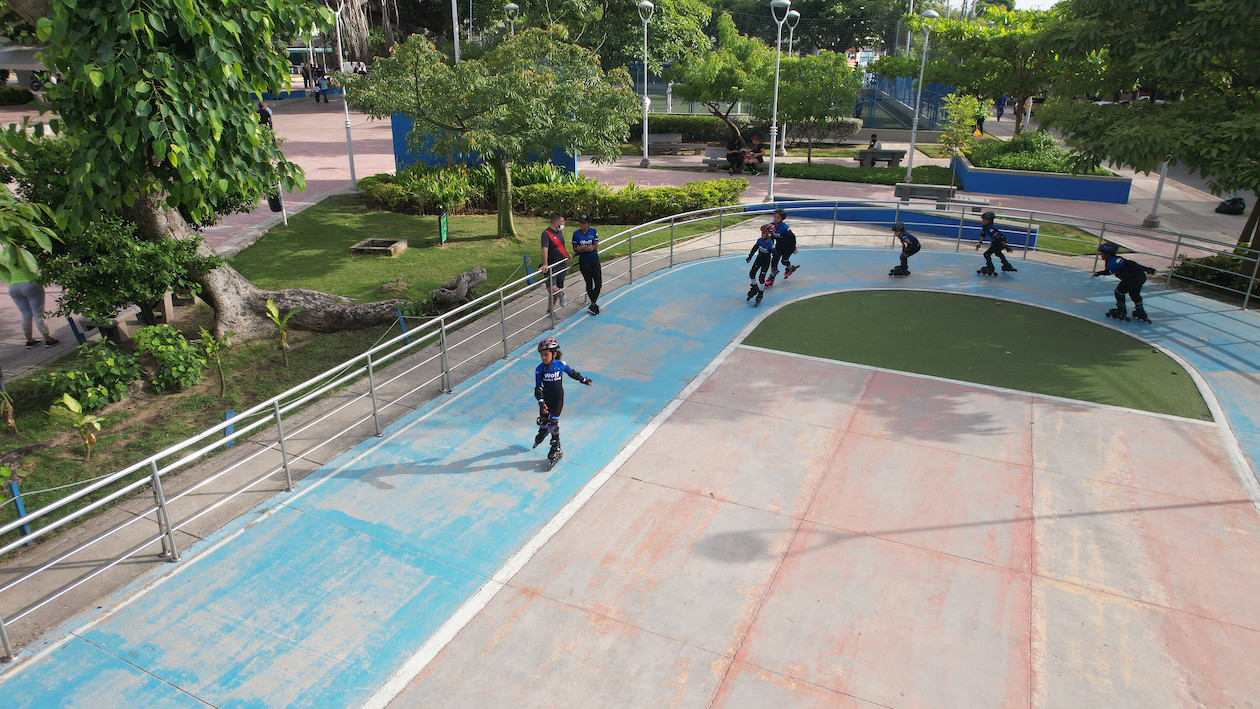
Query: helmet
{"x":780,"y":213}
{"x":548,"y":343}
{"x":989,"y":216}
{"x":1108,"y":248}
{"x":767,"y":230}
{"x":899,"y":226}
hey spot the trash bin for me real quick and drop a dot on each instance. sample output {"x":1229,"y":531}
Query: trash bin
{"x":276,"y":202}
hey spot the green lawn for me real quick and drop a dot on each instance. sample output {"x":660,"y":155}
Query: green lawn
{"x":1066,"y":239}
{"x":985,"y":341}
{"x":314,"y":250}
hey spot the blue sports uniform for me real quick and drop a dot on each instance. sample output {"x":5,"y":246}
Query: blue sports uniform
{"x":764,"y":250}
{"x":784,"y":246}
{"x":549,"y":388}
{"x":1131,"y":274}
{"x":588,"y":264}
{"x":909,"y":247}
{"x":988,"y":232}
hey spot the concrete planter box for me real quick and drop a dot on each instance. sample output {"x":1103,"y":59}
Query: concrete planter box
{"x":1087,"y":188}
{"x":388,"y":248}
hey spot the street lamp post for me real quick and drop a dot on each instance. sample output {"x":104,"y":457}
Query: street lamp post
{"x":510,"y":11}
{"x":775,"y":7}
{"x":909,"y":12}
{"x":1152,"y":219}
{"x":341,"y":66}
{"x":793,"y":17}
{"x":455,"y":26}
{"x":645,"y":13}
{"x":914,"y":125}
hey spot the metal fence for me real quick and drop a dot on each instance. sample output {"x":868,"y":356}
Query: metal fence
{"x":427,"y":360}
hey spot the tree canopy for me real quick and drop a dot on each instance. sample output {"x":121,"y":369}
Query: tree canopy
{"x":735,"y":70}
{"x":815,"y":92}
{"x":525,"y":97}
{"x":1202,"y":56}
{"x":999,"y":53}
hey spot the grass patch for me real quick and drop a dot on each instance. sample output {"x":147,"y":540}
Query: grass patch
{"x":985,"y":341}
{"x":314,"y":250}
{"x":925,"y":174}
{"x":1062,"y":238}
{"x":936,"y":150}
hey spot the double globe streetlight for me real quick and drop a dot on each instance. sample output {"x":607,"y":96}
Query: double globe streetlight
{"x":645,"y":13}
{"x":775,"y":7}
{"x":914,"y":125}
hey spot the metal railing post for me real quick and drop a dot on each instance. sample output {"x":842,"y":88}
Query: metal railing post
{"x":284,"y":452}
{"x":503,"y":323}
{"x":1027,"y":235}
{"x":896,"y":218}
{"x":630,"y":246}
{"x":671,"y":242}
{"x":1173,"y":266}
{"x":376,"y":420}
{"x":962,"y":214}
{"x":157,"y":502}
{"x":835,"y":216}
{"x":164,"y":518}
{"x":1101,"y":233}
{"x":1251,"y":286}
{"x":4,"y":639}
{"x":720,"y":220}
{"x":446,"y":362}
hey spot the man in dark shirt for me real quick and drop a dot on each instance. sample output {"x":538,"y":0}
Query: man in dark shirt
{"x":735,"y":155}
{"x":555,"y":259}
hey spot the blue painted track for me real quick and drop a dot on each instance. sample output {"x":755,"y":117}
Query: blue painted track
{"x":318,"y":597}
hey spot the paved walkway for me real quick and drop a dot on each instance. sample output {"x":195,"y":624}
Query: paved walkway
{"x":344,"y":591}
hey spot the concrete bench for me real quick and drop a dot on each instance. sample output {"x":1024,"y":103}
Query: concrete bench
{"x":867,"y":157}
{"x":975,"y":204}
{"x":906,"y":191}
{"x":715,"y":158}
{"x":671,"y":144}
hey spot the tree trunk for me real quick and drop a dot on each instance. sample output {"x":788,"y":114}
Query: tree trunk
{"x":240,"y":306}
{"x":503,"y":196}
{"x":726,"y":119}
{"x":1250,"y":234}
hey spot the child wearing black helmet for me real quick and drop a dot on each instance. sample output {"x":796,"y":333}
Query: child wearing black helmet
{"x":784,"y":247}
{"x":909,"y":247}
{"x":764,"y":251}
{"x":998,"y":240}
{"x":549,"y":391}
{"x":1131,"y":274}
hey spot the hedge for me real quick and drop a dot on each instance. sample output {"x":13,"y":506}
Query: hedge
{"x":694,"y":128}
{"x":15,"y":96}
{"x":1036,"y":151}
{"x":631,"y":205}
{"x":1222,"y":270}
{"x":420,"y":189}
{"x":927,"y":174}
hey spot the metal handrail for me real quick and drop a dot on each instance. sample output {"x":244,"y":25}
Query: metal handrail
{"x":437,"y":332}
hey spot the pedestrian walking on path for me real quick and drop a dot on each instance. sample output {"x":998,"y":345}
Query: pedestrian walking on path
{"x":28,"y":295}
{"x":555,"y":261}
{"x":549,"y":391}
{"x":586,"y":246}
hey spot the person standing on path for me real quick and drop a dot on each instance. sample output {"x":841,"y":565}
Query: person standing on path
{"x":555,"y":260}
{"x":264,"y":115}
{"x":306,"y":75}
{"x":999,"y":106}
{"x":28,"y":295}
{"x":586,"y":246}
{"x":549,"y":391}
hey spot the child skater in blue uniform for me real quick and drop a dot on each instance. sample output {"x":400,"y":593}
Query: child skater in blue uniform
{"x":549,"y":391}
{"x":1131,"y":274}
{"x":764,"y":251}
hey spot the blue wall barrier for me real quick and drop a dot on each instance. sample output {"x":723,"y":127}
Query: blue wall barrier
{"x":1088,"y":188}
{"x":944,"y":225}
{"x":401,"y":125}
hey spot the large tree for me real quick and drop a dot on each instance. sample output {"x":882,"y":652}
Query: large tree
{"x":816,"y":93}
{"x":999,"y":53}
{"x":530,"y":94}
{"x":736,"y":70}
{"x":1203,"y":55}
{"x":152,"y":103}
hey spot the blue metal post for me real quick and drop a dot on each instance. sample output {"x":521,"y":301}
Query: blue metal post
{"x":231,"y":428}
{"x":75,"y":329}
{"x":529,"y":270}
{"x":402,"y":325}
{"x":21,"y":508}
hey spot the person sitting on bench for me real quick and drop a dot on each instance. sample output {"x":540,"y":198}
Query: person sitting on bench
{"x":875,"y":144}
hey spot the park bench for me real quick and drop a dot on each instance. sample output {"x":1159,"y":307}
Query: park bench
{"x":715,"y":158}
{"x":906,"y":191}
{"x":976,"y":204}
{"x":671,"y":144}
{"x":867,"y":157}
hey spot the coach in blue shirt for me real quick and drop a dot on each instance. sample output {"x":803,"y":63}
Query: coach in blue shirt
{"x":586,"y":246}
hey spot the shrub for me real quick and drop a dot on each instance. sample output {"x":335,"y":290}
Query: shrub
{"x":422,"y":189}
{"x":1032,"y":150}
{"x":694,"y":128}
{"x":15,"y":96}
{"x":181,"y":364}
{"x":1220,"y":270}
{"x":630,"y":205}
{"x":926,"y":174}
{"x":102,"y":376}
